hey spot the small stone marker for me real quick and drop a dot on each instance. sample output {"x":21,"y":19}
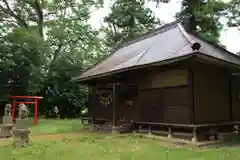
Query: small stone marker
{"x":21,"y":128}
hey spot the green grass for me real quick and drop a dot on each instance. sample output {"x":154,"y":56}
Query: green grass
{"x":55,"y":126}
{"x":92,"y":146}
{"x":124,"y":148}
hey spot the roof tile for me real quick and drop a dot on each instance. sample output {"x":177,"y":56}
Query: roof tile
{"x":167,"y":42}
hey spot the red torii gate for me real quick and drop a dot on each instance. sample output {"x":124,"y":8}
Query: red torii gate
{"x":35,"y":103}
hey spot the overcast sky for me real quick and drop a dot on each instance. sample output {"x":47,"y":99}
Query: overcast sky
{"x":229,"y":37}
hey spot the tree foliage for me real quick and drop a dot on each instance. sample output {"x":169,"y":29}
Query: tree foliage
{"x":43,"y":45}
{"x":203,"y":17}
{"x":128,"y":19}
{"x":233,"y":13}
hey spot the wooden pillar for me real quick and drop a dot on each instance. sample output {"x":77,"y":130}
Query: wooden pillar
{"x":92,"y":109}
{"x":114,"y":104}
{"x":149,"y":130}
{"x":195,"y":135}
{"x":191,"y":94}
{"x":169,"y":132}
{"x":92,"y":92}
{"x":230,"y":99}
{"x":35,"y":111}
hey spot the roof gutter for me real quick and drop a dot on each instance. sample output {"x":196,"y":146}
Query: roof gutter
{"x":236,"y":74}
{"x":204,"y":56}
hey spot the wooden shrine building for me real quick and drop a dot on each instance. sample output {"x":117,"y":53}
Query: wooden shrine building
{"x":166,"y":80}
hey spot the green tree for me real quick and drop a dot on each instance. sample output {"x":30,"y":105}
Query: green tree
{"x":203,"y":17}
{"x":43,"y":45}
{"x":127,"y":20}
{"x":233,"y":13}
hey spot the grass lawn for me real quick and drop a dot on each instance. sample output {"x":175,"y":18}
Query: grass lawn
{"x":87,"y":145}
{"x":55,"y":126}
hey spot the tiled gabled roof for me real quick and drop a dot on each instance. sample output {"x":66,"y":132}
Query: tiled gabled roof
{"x":165,"y":43}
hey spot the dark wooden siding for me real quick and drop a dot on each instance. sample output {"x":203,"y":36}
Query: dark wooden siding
{"x":235,"y":84}
{"x":150,"y":105}
{"x":164,"y":98}
{"x":211,"y":95}
{"x":168,"y":105}
{"x":162,"y":79}
{"x":128,"y":112}
{"x":176,"y":108}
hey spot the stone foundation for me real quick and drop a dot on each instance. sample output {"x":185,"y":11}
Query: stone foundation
{"x":20,"y":138}
{"x":20,"y":133}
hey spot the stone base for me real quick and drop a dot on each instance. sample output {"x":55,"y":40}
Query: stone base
{"x":194,"y":139}
{"x":6,"y":130}
{"x":7,"y":120}
{"x":93,"y":127}
{"x":115,"y":129}
{"x":22,"y":123}
{"x":170,"y":136}
{"x":20,"y":137}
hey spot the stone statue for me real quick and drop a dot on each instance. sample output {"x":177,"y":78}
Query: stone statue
{"x":21,"y":129}
{"x":56,"y":110}
{"x":8,"y":110}
{"x":7,"y":123}
{"x":23,"y":111}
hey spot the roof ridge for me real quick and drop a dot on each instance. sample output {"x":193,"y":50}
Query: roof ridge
{"x":184,"y":33}
{"x":217,"y":46}
{"x":150,"y":33}
{"x":190,"y":40}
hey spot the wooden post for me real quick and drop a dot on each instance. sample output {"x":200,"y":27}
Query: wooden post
{"x":195,"y":136}
{"x":114,"y":105}
{"x":92,"y":106}
{"x":90,"y":99}
{"x":149,"y":130}
{"x":13,"y":109}
{"x":230,"y":99}
{"x":35,"y":111}
{"x":169,"y":132}
{"x":236,"y":128}
{"x":114,"y":128}
{"x":93,"y":100}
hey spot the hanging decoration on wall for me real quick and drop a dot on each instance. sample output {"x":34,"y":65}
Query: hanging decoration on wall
{"x":128,"y":102}
{"x":105,"y":101}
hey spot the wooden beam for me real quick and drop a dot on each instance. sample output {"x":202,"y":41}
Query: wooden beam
{"x":191,"y":94}
{"x":230,"y":98}
{"x":25,"y":102}
{"x":188,"y":125}
{"x":92,"y":103}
